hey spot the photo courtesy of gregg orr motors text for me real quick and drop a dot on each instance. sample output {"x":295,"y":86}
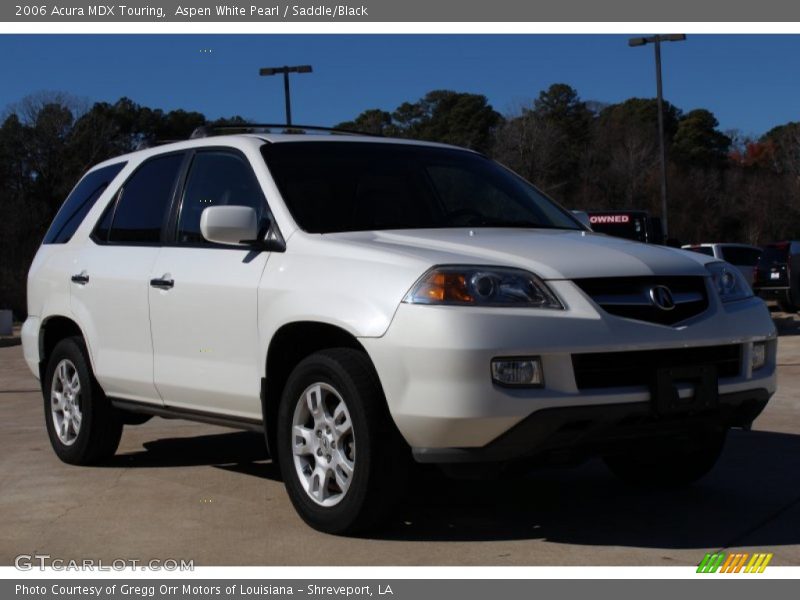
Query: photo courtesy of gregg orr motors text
{"x":164,"y":589}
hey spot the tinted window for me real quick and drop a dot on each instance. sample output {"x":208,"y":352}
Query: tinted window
{"x":361,"y":186}
{"x":144,"y":201}
{"x":707,"y":250}
{"x":79,"y":202}
{"x":745,"y":257}
{"x":217,"y":179}
{"x":775,"y":254}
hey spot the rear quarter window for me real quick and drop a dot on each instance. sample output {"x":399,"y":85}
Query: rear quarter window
{"x":744,"y":257}
{"x":79,"y":202}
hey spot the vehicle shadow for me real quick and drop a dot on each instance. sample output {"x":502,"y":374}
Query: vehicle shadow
{"x":786,"y":324}
{"x":752,"y":497}
{"x":221,"y":449}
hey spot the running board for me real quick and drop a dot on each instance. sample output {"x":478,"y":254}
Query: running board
{"x":188,"y":414}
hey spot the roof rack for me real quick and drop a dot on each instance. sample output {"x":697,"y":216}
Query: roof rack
{"x":211,"y":130}
{"x":145,"y":144}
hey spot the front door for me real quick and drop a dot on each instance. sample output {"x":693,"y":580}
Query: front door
{"x":203,"y":297}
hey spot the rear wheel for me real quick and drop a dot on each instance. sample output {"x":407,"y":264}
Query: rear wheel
{"x":672,"y":463}
{"x":83,"y":427}
{"x":341,"y":457}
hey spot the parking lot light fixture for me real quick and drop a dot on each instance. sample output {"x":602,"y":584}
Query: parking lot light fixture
{"x":285,"y":70}
{"x":656,"y":41}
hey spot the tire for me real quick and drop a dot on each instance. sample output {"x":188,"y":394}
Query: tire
{"x":788,"y":305}
{"x":341,"y":480}
{"x":93,"y":428}
{"x":674,"y":463}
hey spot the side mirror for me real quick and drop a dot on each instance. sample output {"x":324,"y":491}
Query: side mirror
{"x":230,"y":225}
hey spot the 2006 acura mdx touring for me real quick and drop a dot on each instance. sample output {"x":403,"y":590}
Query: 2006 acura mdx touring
{"x":368,"y":300}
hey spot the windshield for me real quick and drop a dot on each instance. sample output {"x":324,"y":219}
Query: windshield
{"x":775,"y":254}
{"x":362,"y":186}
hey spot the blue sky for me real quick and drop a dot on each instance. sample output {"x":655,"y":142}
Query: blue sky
{"x":750,"y":82}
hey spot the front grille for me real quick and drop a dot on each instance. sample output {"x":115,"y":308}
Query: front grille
{"x":629,"y":297}
{"x":637,"y":368}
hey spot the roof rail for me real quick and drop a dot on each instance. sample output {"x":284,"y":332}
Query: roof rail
{"x":145,"y":144}
{"x":211,"y":130}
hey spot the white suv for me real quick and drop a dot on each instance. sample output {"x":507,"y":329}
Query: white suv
{"x":364,"y":301}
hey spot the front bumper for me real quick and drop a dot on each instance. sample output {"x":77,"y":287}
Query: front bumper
{"x":577,"y":431}
{"x":29,"y":336}
{"x":434,"y":362}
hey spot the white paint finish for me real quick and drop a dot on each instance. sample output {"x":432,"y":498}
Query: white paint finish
{"x":112,"y":311}
{"x":229,"y":224}
{"x":326,"y":279}
{"x":434,"y":362}
{"x":551,"y":254}
{"x":205,"y":330}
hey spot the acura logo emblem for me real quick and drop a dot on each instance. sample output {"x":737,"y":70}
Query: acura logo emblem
{"x":661,"y":296}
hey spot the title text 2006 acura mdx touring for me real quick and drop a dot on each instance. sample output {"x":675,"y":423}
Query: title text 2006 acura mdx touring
{"x":368,"y":300}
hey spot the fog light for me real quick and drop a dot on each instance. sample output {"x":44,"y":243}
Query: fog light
{"x":518,"y":371}
{"x":759,"y":355}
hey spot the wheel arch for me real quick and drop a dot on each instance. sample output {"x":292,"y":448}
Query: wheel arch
{"x":291,"y":343}
{"x":52,"y":330}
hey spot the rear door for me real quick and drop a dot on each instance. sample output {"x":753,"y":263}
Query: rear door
{"x":203,"y":308}
{"x":109,"y":294}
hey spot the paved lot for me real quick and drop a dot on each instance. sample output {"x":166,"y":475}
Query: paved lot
{"x":183,"y":490}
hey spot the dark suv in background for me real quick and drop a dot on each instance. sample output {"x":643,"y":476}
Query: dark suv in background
{"x":777,"y":274}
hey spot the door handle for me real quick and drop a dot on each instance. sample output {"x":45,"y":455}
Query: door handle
{"x":81,"y":278}
{"x":165,"y":282}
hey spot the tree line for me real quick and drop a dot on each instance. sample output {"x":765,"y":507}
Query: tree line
{"x":723,"y":186}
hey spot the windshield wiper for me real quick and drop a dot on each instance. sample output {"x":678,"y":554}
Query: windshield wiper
{"x":517,"y":224}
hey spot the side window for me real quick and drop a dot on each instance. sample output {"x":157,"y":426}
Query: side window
{"x":143,"y":202}
{"x":79,"y":202}
{"x":707,"y":250}
{"x":217,"y":178}
{"x":746,"y":257}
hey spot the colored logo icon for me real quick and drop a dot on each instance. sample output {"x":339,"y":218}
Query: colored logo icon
{"x":742,"y":562}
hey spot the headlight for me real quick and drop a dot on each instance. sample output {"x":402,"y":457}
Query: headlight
{"x":730,"y":283}
{"x":482,"y":286}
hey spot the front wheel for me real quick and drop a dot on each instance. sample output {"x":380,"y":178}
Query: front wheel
{"x":672,"y":463}
{"x":342,"y":460}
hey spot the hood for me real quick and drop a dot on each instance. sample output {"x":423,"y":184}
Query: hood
{"x":550,"y":254}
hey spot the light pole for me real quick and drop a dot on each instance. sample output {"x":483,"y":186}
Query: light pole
{"x":656,"y":41}
{"x":285,"y":71}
